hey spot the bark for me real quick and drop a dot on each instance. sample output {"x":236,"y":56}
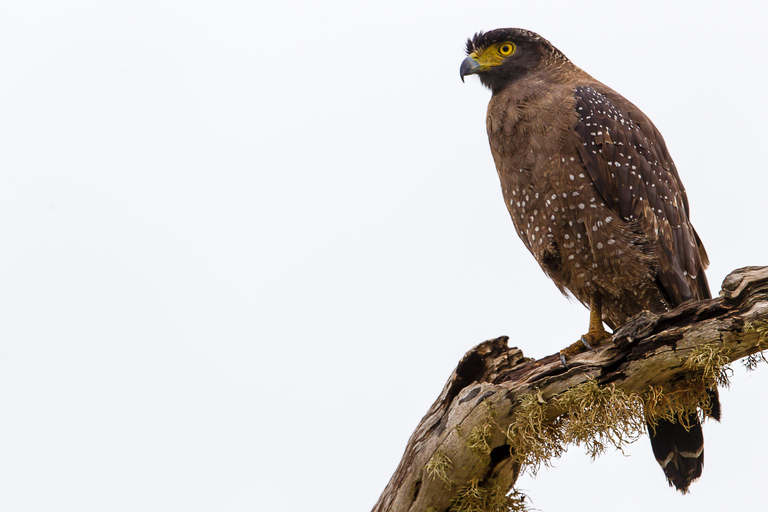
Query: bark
{"x":442,"y":458}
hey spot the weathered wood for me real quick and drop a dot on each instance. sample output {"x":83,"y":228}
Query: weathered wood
{"x":440,"y":459}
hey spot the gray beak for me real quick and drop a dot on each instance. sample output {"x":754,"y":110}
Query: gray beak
{"x":468,"y":67}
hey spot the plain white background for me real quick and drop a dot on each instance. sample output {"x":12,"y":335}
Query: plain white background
{"x":243,"y":245}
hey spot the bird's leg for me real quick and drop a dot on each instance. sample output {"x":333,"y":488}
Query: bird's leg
{"x":594,"y":337}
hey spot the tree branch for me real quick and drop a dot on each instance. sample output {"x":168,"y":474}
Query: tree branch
{"x":468,"y":445}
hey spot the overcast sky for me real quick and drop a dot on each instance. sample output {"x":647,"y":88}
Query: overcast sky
{"x":244,"y":244}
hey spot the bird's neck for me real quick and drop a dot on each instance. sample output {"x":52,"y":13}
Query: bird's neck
{"x":551,"y":77}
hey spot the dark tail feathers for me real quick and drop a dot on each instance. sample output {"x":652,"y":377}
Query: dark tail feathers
{"x":680,"y":452}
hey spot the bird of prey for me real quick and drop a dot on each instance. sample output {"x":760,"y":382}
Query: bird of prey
{"x":595,"y":197}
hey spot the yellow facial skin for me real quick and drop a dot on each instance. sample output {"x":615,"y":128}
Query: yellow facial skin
{"x":493,"y":55}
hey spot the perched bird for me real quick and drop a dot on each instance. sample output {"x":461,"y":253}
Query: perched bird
{"x":595,"y":197}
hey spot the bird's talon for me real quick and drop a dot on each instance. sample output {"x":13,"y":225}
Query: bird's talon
{"x":562,"y":360}
{"x":586,"y":343}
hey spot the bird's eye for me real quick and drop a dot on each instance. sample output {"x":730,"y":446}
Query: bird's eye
{"x":506,"y":49}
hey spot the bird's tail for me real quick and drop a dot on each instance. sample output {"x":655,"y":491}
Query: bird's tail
{"x":680,"y":450}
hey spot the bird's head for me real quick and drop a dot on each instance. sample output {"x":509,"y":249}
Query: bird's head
{"x":505,"y":55}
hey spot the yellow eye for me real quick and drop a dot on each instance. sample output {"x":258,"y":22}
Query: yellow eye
{"x":507,"y":49}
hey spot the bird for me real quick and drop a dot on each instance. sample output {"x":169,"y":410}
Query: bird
{"x":597,"y":200}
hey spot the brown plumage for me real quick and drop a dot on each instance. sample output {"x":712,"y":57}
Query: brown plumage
{"x":594,"y":195}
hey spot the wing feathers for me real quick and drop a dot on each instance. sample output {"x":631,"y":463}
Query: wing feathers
{"x":629,"y":165}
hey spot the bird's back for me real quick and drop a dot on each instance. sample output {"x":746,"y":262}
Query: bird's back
{"x":594,"y":194}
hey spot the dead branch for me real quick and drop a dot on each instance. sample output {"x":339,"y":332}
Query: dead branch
{"x":469,"y":447}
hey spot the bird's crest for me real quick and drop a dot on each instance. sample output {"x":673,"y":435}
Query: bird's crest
{"x":482,"y":40}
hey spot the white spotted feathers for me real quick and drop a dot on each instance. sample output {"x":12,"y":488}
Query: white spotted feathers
{"x":595,"y":196}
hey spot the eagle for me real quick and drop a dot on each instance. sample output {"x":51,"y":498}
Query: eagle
{"x":597,"y":200}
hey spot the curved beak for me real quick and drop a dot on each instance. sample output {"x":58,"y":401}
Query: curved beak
{"x":469,"y":67}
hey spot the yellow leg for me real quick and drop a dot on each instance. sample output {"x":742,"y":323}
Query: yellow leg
{"x":594,"y":337}
{"x":597,"y":332}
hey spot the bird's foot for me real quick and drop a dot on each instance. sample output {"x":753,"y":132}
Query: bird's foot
{"x":589,"y":341}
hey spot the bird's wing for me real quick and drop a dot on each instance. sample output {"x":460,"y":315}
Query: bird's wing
{"x":628,"y":162}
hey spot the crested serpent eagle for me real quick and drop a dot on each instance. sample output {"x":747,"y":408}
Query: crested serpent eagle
{"x":595,"y":197}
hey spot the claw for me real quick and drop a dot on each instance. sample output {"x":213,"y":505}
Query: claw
{"x":586,"y":343}
{"x":562,"y":360}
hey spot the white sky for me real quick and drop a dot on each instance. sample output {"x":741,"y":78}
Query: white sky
{"x":242,"y":246}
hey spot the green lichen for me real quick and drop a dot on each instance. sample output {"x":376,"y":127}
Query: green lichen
{"x":439,"y":466}
{"x":677,"y":402}
{"x":478,"y":498}
{"x":600,"y":417}
{"x":533,"y":440}
{"x":478,"y":440}
{"x":711,"y":362}
{"x":761,"y":329}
